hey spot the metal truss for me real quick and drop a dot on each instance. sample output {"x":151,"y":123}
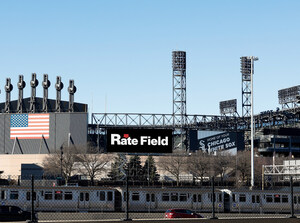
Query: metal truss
{"x":179,"y":87}
{"x":277,"y":170}
{"x":290,"y":117}
{"x":105,"y":120}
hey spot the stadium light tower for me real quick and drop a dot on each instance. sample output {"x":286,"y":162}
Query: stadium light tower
{"x":247,"y":70}
{"x":179,"y":93}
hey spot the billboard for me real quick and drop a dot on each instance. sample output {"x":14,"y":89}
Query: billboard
{"x":221,"y":142}
{"x":139,"y":140}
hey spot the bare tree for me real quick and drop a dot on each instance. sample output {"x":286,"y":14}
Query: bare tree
{"x":243,"y":165}
{"x":174,"y":164}
{"x":221,"y":163}
{"x":91,"y":163}
{"x":198,"y":165}
{"x":61,"y":162}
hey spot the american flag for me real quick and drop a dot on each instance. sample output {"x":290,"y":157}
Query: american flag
{"x":29,"y":126}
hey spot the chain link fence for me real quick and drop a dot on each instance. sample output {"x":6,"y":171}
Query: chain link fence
{"x":135,"y":189}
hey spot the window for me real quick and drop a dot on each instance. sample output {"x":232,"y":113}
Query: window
{"x":277,"y":198}
{"x":210,"y":197}
{"x":28,"y":196}
{"x":48,"y":195}
{"x":298,"y":199}
{"x":135,"y":196}
{"x":102,"y":195}
{"x":195,"y":198}
{"x":182,"y":197}
{"x":199,"y":198}
{"x":174,"y":196}
{"x":109,"y":196}
{"x":242,"y":198}
{"x":87,"y":196}
{"x":188,"y":212}
{"x":153,"y":197}
{"x":81,"y":197}
{"x":14,"y":209}
{"x":58,"y":195}
{"x":285,"y":199}
{"x":220,"y":198}
{"x":165,"y":197}
{"x":2,"y":195}
{"x":14,"y":195}
{"x":269,"y":198}
{"x":147,"y":197}
{"x":257,"y":199}
{"x":233,"y":197}
{"x":125,"y":196}
{"x":180,"y":211}
{"x":68,"y":196}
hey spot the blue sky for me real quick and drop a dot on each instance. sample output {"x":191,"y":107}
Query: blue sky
{"x":119,"y":52}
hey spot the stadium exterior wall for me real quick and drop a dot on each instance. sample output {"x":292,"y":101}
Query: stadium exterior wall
{"x":11,"y":164}
{"x":62,"y":125}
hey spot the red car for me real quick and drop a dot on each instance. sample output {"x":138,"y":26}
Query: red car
{"x":181,"y":213}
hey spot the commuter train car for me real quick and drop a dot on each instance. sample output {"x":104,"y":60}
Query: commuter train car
{"x":60,"y":198}
{"x":267,"y":201}
{"x":201,"y":200}
{"x":148,"y":199}
{"x":161,"y":199}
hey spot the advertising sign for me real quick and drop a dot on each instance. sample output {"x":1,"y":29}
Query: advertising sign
{"x":139,"y":140}
{"x":223,"y":141}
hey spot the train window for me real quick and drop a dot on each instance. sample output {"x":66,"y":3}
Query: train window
{"x":14,"y":195}
{"x":58,"y":195}
{"x":109,"y":196}
{"x":28,"y":196}
{"x":87,"y":196}
{"x":253,"y":198}
{"x":195,"y":198}
{"x":233,"y":197}
{"x":81,"y":197}
{"x":2,"y":195}
{"x":269,"y":198}
{"x":174,"y":196}
{"x":220,"y":197}
{"x":210,"y":197}
{"x":68,"y":196}
{"x":48,"y":195}
{"x":242,"y":198}
{"x":152,"y":197}
{"x":285,"y":199}
{"x":135,"y":197}
{"x":125,"y":196}
{"x":298,"y":199}
{"x":183,"y":197}
{"x":199,"y":198}
{"x":102,"y":195}
{"x":276,"y":198}
{"x":257,"y":199}
{"x":147,"y":197}
{"x":165,"y":197}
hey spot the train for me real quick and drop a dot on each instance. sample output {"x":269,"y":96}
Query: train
{"x":148,"y":199}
